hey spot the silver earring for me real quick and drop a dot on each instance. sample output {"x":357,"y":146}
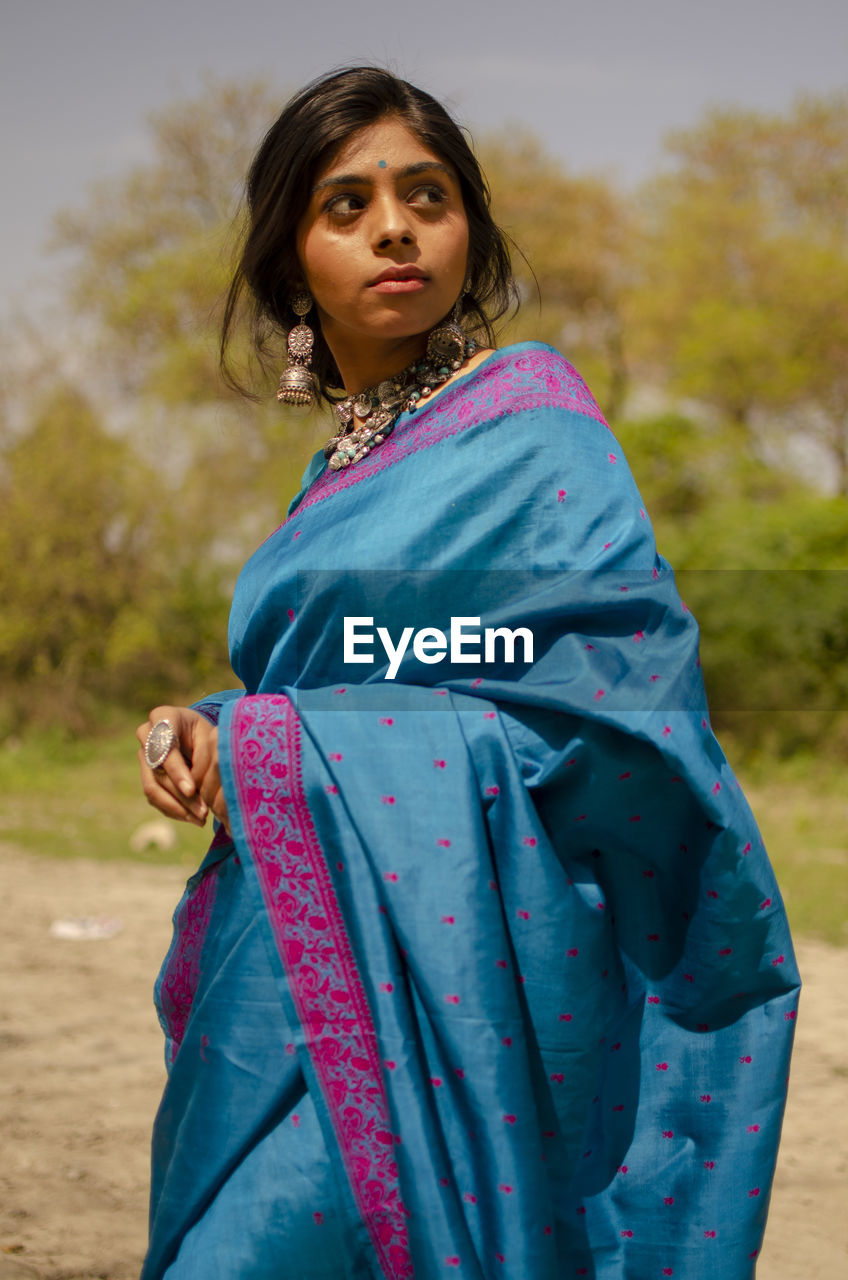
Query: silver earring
{"x":296,"y":384}
{"x":446,"y":343}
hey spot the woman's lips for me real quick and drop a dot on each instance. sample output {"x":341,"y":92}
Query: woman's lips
{"x":400,"y":279}
{"x":411,"y":284}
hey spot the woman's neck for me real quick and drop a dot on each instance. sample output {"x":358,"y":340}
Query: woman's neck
{"x":363,"y":367}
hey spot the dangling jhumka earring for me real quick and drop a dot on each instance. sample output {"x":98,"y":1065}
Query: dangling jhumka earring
{"x":446,"y":343}
{"x":296,"y":385}
{"x":367,"y":418}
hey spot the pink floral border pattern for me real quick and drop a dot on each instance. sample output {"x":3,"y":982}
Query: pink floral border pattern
{"x":315,"y":950}
{"x":540,"y":378}
{"x":182,"y":969}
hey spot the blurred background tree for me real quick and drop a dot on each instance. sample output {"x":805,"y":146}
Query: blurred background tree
{"x":741,"y":293}
{"x":574,"y":236}
{"x":99,"y":597}
{"x":151,"y":257}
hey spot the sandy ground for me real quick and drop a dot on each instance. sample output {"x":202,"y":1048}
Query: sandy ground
{"x":81,"y":1057}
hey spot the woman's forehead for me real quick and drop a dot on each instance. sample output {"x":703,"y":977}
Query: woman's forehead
{"x":387,"y":143}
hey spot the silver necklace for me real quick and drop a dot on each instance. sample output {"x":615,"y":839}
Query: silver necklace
{"x":366,"y":419}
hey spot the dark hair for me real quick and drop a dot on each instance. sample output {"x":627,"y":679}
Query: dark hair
{"x":314,"y":124}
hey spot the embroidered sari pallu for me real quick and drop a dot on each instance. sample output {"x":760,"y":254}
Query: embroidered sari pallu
{"x":493,"y":978}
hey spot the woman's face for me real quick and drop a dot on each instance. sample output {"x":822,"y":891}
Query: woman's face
{"x":383,"y":245}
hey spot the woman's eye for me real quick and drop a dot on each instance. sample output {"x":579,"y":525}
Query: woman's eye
{"x":343,"y":205}
{"x":429,"y":195}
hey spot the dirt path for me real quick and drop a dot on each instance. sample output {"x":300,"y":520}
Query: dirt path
{"x":82,"y":1071}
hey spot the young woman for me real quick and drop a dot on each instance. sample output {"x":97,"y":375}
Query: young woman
{"x":485,"y":973}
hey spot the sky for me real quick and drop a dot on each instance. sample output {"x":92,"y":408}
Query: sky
{"x":599,"y":82}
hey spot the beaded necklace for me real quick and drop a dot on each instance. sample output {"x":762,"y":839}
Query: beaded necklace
{"x":367,"y":418}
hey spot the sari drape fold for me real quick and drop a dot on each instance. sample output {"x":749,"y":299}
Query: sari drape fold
{"x":494,"y":978}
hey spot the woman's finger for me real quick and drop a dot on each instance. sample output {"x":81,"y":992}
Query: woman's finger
{"x":160,"y":793}
{"x":174,"y":774}
{"x":204,"y":753}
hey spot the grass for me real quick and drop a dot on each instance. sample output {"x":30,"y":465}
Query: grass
{"x":802,"y":811}
{"x":82,"y":799}
{"x":69,"y":799}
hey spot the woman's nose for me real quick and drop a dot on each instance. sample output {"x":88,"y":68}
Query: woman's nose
{"x":392,"y":224}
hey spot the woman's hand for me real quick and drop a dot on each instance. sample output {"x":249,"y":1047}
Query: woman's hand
{"x":187,"y":785}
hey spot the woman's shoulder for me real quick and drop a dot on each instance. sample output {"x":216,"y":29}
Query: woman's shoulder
{"x":522,"y":377}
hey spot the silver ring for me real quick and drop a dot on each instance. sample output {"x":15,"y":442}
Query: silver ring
{"x":160,"y":740}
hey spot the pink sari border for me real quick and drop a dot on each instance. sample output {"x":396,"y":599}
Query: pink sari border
{"x":314,"y":947}
{"x":507,"y":384}
{"x":182,"y":969}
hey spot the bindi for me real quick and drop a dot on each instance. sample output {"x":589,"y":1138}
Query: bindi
{"x":381,"y":164}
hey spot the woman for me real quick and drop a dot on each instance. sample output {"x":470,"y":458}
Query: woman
{"x":485,"y":972}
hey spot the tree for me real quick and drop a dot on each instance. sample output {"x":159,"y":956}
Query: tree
{"x":87,"y":573}
{"x":742,"y":296}
{"x":151,"y":254}
{"x":573,"y":235}
{"x":152,"y":248}
{"x":761,"y":561}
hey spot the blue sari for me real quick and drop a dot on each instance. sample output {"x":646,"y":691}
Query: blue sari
{"x":493,"y":978}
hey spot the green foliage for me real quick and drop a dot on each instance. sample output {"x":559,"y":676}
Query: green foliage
{"x":763,"y":564}
{"x":86,"y":576}
{"x":118,"y":551}
{"x":740,"y":294}
{"x":152,"y":249}
{"x":572,"y":234}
